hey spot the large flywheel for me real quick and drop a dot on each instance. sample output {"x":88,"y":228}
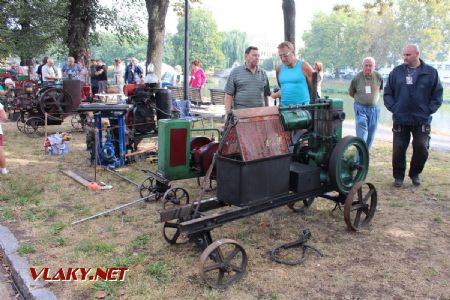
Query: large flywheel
{"x":349,"y":163}
{"x":56,"y":102}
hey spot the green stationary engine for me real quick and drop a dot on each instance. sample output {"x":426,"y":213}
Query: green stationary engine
{"x":317,"y":141}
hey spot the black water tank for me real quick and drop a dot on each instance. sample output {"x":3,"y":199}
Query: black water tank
{"x":73,"y":88}
{"x":163,"y":103}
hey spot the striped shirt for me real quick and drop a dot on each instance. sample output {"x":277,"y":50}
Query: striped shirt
{"x":248,"y":89}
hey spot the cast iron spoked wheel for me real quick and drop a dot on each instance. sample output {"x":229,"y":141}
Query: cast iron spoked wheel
{"x":147,"y":187}
{"x":175,"y":197}
{"x":302,"y":205}
{"x":172,"y":233}
{"x":360,"y":205}
{"x":34,"y":126}
{"x":223,"y":263}
{"x":55,"y":101}
{"x":349,"y":163}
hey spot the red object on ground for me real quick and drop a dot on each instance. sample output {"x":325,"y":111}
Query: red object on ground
{"x":93,"y":186}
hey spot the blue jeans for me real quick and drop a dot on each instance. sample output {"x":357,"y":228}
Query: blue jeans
{"x":366,"y":118}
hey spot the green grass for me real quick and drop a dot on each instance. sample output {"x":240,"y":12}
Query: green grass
{"x":26,"y":249}
{"x":58,"y":241}
{"x":6,"y":214}
{"x":159,"y":270}
{"x":141,"y":240}
{"x":102,"y":247}
{"x":34,"y":214}
{"x":57,"y":227}
{"x":84,"y":246}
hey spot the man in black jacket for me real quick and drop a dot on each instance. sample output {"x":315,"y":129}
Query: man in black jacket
{"x":413,"y":93}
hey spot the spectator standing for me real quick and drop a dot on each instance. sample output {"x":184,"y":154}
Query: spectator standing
{"x":3,"y":118}
{"x":294,"y":77}
{"x":14,"y":71}
{"x":318,"y":67}
{"x":118,"y":73}
{"x":7,"y":92}
{"x":84,"y":74}
{"x":71,"y":70}
{"x":198,"y":77}
{"x":49,"y":74}
{"x":365,"y":89}
{"x":94,"y":79}
{"x":39,"y":69}
{"x":413,"y":93}
{"x":102,"y":76}
{"x":247,"y":85}
{"x":171,"y":77}
{"x":134,"y":72}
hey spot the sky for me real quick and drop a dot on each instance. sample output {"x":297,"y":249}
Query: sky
{"x":262,"y":19}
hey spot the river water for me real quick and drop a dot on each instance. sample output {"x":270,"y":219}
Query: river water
{"x":440,"y":123}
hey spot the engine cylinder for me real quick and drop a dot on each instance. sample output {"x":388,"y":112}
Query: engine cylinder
{"x":296,"y":119}
{"x":163,"y":103}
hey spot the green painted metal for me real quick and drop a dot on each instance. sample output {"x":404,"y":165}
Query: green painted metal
{"x":338,"y":104}
{"x":166,"y":168}
{"x":349,"y":163}
{"x":295,"y":119}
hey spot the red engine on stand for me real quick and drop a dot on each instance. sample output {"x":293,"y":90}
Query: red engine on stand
{"x":202,"y":152}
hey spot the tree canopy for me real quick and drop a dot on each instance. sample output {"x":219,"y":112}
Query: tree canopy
{"x":233,"y":47}
{"x":205,"y":40}
{"x":345,"y":36}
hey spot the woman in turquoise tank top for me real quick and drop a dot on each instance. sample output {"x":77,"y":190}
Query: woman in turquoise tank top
{"x":294,"y":77}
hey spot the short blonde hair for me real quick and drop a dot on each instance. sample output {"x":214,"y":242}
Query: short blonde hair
{"x":286,"y":44}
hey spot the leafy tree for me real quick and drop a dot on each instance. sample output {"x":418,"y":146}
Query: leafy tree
{"x":271,"y":63}
{"x":233,"y":46}
{"x":427,"y":23}
{"x":334,"y":39}
{"x":381,"y":39}
{"x":169,"y":52}
{"x":109,"y":47}
{"x":204,"y":40}
{"x":30,"y":27}
{"x":85,"y":16}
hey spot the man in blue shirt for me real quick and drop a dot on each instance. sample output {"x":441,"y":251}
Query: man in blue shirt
{"x":294,"y":77}
{"x":133,"y":72}
{"x":71,"y":70}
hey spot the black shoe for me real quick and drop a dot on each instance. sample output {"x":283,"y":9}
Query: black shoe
{"x":415,"y":180}
{"x":398,"y":182}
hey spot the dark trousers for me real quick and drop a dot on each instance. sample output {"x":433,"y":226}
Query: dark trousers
{"x":420,"y":143}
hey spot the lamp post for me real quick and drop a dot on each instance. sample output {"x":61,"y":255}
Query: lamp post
{"x":186,"y":48}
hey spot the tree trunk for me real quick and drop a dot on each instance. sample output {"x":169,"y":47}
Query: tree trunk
{"x":80,"y":21}
{"x":289,"y":20}
{"x":157,"y":11}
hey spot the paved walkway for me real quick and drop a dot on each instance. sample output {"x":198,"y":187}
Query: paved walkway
{"x":439,"y":142}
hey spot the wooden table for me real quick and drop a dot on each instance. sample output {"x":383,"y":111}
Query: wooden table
{"x":212,"y":112}
{"x":109,"y":97}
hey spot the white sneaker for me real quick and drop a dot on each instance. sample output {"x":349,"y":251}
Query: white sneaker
{"x":4,"y":171}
